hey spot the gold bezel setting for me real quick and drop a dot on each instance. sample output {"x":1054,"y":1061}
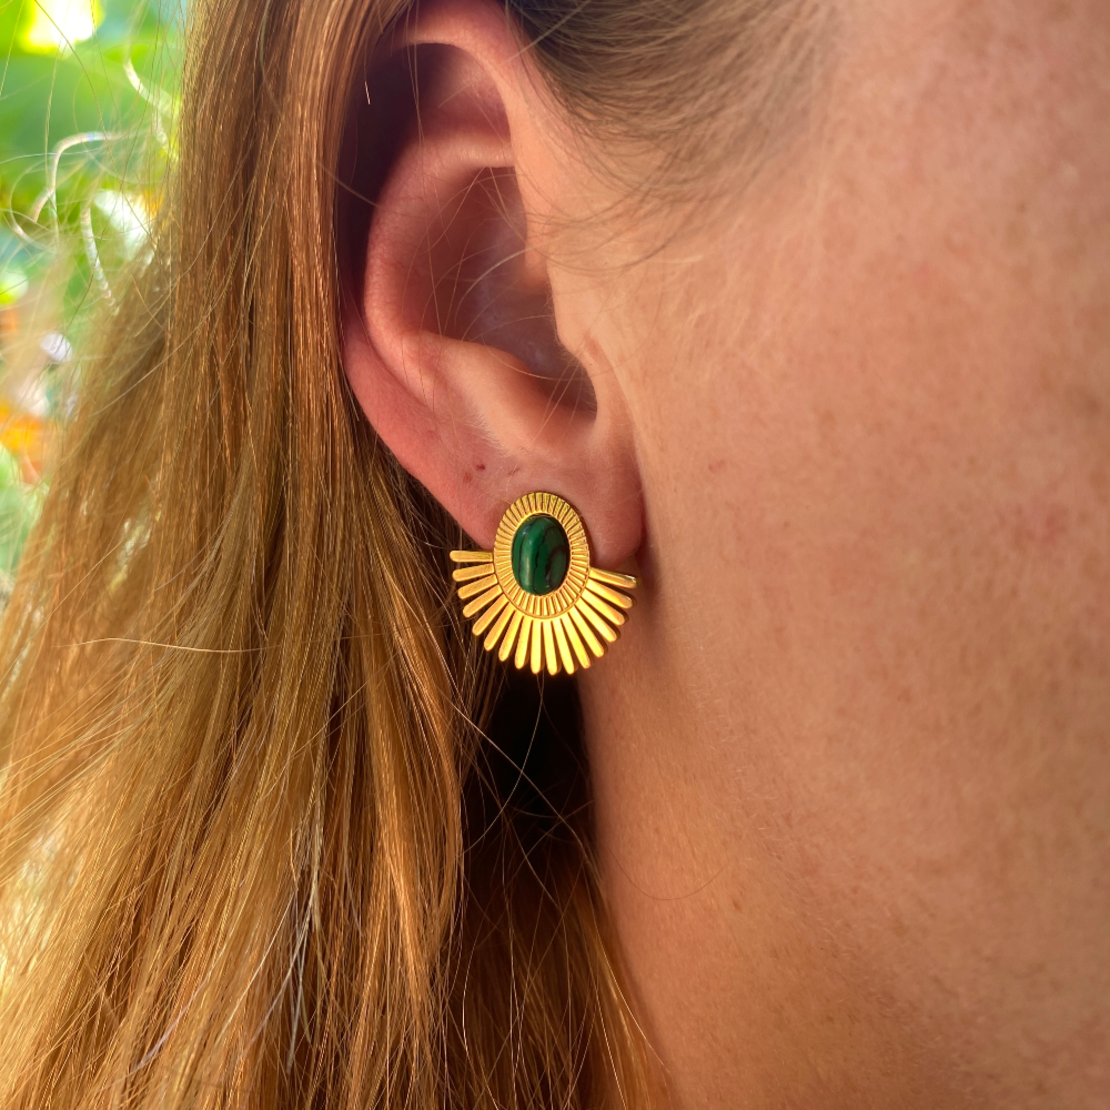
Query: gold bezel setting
{"x":561,"y":629}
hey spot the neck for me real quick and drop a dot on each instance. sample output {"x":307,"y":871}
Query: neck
{"x":750,"y":992}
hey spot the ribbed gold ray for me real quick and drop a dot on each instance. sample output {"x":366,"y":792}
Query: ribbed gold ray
{"x":611,"y":578}
{"x":549,"y":652}
{"x":478,"y":587}
{"x":575,"y":641}
{"x":521,"y":658}
{"x":606,"y":631}
{"x":506,"y":648}
{"x":565,"y":656}
{"x":607,"y":593}
{"x":468,"y":574}
{"x":537,"y":647}
{"x":499,"y":626}
{"x":488,"y":617}
{"x":562,"y":630}
{"x":472,"y":556}
{"x":587,"y":633}
{"x":479,"y":603}
{"x":599,"y":605}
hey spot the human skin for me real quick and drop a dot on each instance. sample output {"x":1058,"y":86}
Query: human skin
{"x":850,"y":759}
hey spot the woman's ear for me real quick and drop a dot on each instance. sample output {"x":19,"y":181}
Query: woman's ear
{"x":451,"y":340}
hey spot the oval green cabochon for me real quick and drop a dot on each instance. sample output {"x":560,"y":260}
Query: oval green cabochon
{"x":540,"y":554}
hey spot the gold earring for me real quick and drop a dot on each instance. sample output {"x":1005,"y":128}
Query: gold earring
{"x":536,"y":591}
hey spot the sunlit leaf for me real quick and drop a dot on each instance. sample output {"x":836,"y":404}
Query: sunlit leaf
{"x":58,"y":25}
{"x":13,"y":284}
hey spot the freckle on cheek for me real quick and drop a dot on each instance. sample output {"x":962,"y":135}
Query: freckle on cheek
{"x":1037,"y":525}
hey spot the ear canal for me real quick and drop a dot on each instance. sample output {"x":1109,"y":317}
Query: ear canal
{"x":482,"y":285}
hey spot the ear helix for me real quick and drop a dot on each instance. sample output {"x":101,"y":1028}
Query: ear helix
{"x":535,"y":597}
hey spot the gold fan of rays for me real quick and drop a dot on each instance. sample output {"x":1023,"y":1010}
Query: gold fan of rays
{"x":535,"y":597}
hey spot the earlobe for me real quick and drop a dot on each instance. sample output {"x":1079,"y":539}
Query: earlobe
{"x":452,"y":346}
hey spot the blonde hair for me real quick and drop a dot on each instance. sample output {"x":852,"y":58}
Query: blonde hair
{"x":255,"y":847}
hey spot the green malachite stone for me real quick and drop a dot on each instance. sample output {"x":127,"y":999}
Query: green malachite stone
{"x":541,"y":555}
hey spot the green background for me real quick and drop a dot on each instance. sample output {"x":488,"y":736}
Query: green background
{"x":100,"y":111}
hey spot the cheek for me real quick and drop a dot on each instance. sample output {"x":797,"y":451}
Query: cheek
{"x":876,"y":412}
{"x":876,"y":440}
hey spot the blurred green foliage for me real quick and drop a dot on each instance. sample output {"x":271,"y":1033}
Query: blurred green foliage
{"x":19,"y":503}
{"x":88,"y":98}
